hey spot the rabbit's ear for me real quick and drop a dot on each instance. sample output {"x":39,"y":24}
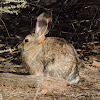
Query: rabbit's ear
{"x":43,"y":24}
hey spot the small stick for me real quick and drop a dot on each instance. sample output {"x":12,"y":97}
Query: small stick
{"x":7,"y":50}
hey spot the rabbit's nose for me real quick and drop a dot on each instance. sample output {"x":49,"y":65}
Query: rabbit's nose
{"x":19,"y":47}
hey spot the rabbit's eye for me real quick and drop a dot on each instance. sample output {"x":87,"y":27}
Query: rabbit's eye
{"x":26,"y":40}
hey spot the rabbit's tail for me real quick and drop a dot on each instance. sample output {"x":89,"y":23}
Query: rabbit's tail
{"x":73,"y":77}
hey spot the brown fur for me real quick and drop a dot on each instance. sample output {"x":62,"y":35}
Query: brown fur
{"x":51,"y":57}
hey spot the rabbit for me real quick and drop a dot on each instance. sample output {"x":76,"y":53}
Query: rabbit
{"x":51,"y":56}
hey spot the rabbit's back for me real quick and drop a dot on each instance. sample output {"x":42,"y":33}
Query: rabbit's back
{"x":60,"y":58}
{"x":58,"y":46}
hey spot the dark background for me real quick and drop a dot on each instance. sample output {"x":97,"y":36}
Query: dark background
{"x":78,"y":21}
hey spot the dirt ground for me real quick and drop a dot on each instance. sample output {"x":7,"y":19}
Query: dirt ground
{"x":87,"y":89}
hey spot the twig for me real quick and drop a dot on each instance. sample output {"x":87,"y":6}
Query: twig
{"x":38,"y":88}
{"x":8,"y":50}
{"x":5,"y":27}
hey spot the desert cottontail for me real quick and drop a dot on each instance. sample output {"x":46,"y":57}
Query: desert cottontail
{"x":52,"y":56}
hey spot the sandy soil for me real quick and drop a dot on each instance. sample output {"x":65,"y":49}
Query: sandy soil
{"x":21,"y":87}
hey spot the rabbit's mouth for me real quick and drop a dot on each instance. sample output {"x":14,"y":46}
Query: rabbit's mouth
{"x":19,"y":47}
